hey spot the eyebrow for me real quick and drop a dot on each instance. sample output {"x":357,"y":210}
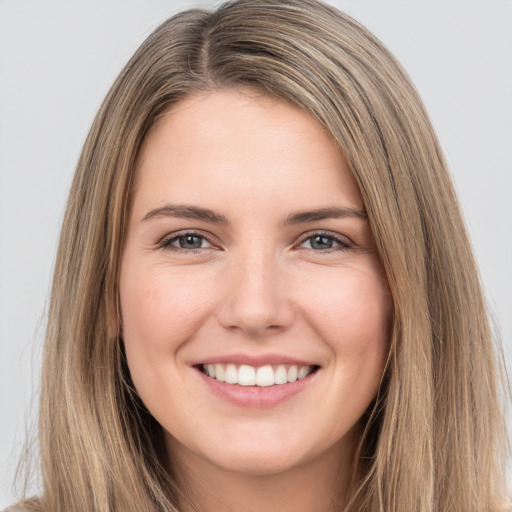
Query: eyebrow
{"x":206,"y":215}
{"x":186,"y":212}
{"x":333,"y":212}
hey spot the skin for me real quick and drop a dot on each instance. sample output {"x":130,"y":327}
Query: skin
{"x":254,"y":285}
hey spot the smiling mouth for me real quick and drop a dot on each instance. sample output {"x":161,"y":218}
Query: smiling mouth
{"x":262,"y":376}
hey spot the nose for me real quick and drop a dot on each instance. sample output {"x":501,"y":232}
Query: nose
{"x":255,"y":300}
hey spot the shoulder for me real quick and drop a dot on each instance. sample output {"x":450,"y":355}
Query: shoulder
{"x":25,"y":505}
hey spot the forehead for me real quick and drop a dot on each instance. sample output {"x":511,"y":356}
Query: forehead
{"x":211,"y":147}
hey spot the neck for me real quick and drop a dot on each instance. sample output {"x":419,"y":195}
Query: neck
{"x":317,"y":485}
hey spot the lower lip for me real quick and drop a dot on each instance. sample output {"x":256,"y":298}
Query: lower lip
{"x":255,"y":396}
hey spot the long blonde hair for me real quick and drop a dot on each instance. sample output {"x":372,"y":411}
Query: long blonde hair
{"x":435,"y":436}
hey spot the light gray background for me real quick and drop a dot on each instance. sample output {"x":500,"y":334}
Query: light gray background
{"x":57,"y":60}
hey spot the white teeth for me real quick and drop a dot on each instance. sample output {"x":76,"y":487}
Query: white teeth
{"x":220,"y":373}
{"x":280,"y":376}
{"x":264,"y":376}
{"x":292,"y":373}
{"x":303,"y":372}
{"x":231,"y":374}
{"x":246,"y":375}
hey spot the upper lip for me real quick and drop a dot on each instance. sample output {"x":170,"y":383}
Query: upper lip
{"x":254,"y":360}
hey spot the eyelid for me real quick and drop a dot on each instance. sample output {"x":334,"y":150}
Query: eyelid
{"x":344,"y":242}
{"x":165,"y":242}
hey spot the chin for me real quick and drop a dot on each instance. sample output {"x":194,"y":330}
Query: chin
{"x":262,"y":457}
{"x":257,"y":463}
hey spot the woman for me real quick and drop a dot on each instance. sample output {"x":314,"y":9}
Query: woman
{"x":261,"y":290}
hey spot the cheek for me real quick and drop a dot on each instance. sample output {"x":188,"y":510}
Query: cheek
{"x":353,"y":316}
{"x":160,"y":312}
{"x":160,"y":308}
{"x":353,"y":305}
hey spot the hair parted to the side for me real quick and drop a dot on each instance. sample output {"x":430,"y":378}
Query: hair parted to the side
{"x":435,"y":440}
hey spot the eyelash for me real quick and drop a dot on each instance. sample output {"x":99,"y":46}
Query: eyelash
{"x":343,"y":245}
{"x":166,"y":242}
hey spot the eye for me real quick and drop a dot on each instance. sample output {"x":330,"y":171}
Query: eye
{"x":186,"y":242}
{"x":324,"y":242}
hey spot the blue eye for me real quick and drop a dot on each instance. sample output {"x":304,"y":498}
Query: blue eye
{"x":324,"y":242}
{"x":186,"y":241}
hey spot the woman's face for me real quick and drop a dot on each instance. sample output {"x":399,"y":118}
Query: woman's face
{"x":249,"y":257}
